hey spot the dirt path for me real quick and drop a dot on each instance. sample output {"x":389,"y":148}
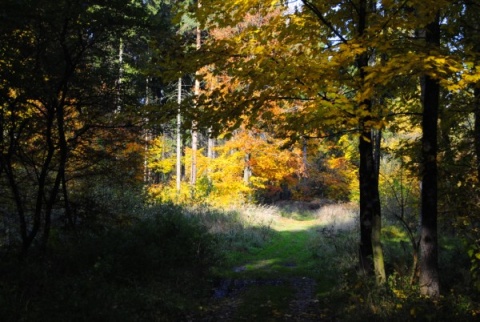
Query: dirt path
{"x":303,"y":305}
{"x":277,"y":283}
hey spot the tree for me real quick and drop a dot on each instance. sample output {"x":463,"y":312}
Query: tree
{"x":429,"y":278}
{"x":471,"y":28}
{"x":56,"y":95}
{"x":294,"y":71}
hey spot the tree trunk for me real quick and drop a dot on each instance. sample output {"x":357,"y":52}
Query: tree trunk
{"x":179,"y":137}
{"x":366,"y":207}
{"x":378,"y":260}
{"x":247,"y":170}
{"x":193,"y":170}
{"x":193,"y":178}
{"x":428,"y":261}
{"x":42,"y":182}
{"x":147,"y":136}
{"x":371,"y":253}
{"x":477,"y":128}
{"x":471,"y":30}
{"x":210,"y":145}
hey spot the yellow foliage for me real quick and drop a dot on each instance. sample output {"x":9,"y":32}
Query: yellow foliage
{"x":221,"y":180}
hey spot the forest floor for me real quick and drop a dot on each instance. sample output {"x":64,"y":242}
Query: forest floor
{"x":282,"y":280}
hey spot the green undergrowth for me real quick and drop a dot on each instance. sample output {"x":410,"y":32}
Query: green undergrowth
{"x":285,"y":252}
{"x":154,"y":268}
{"x":162,"y":265}
{"x":327,"y":252}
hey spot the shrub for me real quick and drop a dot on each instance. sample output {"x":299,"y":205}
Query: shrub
{"x":153,"y":269}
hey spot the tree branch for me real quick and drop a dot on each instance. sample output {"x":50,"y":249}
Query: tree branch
{"x":321,"y":17}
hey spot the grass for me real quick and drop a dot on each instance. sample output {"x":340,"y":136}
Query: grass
{"x":150,"y":270}
{"x":288,"y":251}
{"x":322,"y":244}
{"x":284,"y":251}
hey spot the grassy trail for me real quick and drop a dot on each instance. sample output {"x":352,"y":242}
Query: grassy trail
{"x":278,"y":281}
{"x":287,"y":253}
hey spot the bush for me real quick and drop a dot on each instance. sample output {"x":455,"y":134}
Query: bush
{"x":153,"y":269}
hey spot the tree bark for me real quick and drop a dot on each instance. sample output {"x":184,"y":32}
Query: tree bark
{"x":210,"y":144}
{"x":428,"y":261}
{"x":472,"y":29}
{"x":378,"y":260}
{"x":477,"y":128}
{"x":366,"y":205}
{"x":247,"y":170}
{"x":193,"y":178}
{"x":371,"y":253}
{"x":179,"y":137}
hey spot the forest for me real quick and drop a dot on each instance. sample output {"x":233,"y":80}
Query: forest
{"x":213,"y":160}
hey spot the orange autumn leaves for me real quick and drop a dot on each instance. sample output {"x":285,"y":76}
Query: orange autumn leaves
{"x":251,"y":166}
{"x":222,"y":179}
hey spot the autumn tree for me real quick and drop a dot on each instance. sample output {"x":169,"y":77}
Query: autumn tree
{"x":272,"y":57}
{"x":60,"y":102}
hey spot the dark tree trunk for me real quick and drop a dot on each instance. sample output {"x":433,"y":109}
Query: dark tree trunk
{"x":472,"y":38}
{"x":477,"y":128}
{"x":366,"y":164}
{"x":371,"y":254}
{"x":370,"y":250}
{"x":428,"y":264}
{"x":42,"y":183}
{"x":366,"y":203}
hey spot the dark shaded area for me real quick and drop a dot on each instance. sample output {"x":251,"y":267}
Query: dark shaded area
{"x":151,"y":270}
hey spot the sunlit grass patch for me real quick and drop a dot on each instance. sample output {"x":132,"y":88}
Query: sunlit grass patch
{"x":262,"y":241}
{"x":338,"y":216}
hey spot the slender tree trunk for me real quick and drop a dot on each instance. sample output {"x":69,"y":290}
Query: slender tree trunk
{"x":120,"y":76}
{"x":477,"y":128}
{"x":210,"y":152}
{"x":193,"y":179}
{"x":147,"y":136}
{"x":371,"y":252}
{"x":7,"y":156}
{"x":378,"y":260}
{"x":61,"y":167}
{"x":210,"y":145}
{"x":193,"y":171}
{"x":179,"y":137}
{"x":247,"y":170}
{"x":428,"y":262}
